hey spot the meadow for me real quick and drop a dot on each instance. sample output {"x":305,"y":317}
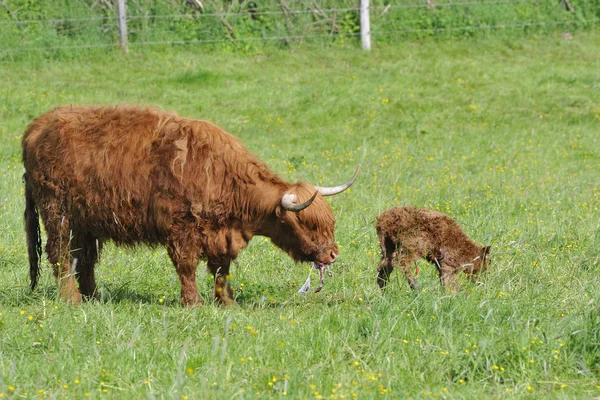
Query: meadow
{"x":501,"y":134}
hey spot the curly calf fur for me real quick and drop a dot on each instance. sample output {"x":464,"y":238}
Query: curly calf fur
{"x":407,"y":233}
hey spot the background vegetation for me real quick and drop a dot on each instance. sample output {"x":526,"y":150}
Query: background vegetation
{"x":500,"y":133}
{"x":53,"y":27}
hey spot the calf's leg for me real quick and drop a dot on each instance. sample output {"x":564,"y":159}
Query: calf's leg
{"x":384,"y":269}
{"x":448,"y":275}
{"x":405,"y":263}
{"x":386,"y":265}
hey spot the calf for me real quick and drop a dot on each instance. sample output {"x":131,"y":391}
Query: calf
{"x":407,"y":233}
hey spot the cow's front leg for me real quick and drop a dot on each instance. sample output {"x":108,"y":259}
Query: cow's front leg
{"x":219,"y":267}
{"x":184,"y":250}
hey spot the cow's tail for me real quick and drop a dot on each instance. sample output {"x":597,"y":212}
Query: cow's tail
{"x":32,"y":232}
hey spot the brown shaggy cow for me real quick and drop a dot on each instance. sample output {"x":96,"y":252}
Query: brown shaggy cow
{"x":135,"y":175}
{"x":407,"y":233}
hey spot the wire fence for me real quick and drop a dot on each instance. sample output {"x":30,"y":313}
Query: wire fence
{"x":240,"y":13}
{"x":307,"y":36}
{"x":286,"y":22}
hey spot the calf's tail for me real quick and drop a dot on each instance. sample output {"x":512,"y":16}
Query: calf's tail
{"x":32,"y":232}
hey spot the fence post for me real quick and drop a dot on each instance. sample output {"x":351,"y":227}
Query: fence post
{"x":123,"y":26}
{"x":365,"y":25}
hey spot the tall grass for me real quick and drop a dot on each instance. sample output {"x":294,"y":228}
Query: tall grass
{"x":499,"y":134}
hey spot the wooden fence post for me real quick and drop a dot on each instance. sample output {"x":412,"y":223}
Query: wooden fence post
{"x":365,"y":25}
{"x":123,"y":26}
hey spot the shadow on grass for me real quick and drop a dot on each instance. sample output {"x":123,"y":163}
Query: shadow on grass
{"x":125,"y":293}
{"x":259,"y":297}
{"x":22,"y":296}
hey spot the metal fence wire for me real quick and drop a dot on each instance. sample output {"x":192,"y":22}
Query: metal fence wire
{"x":249,"y":23}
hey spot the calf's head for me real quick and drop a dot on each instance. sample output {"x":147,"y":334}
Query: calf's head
{"x":479,"y":263}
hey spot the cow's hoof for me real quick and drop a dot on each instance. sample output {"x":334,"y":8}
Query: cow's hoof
{"x":70,"y":297}
{"x":194,"y":302}
{"x":226,"y":301}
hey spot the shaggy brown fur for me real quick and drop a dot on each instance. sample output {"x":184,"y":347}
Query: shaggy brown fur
{"x":136,"y":175}
{"x":407,"y":233}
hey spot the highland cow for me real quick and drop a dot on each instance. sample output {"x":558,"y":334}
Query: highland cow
{"x":406,"y":234}
{"x":135,"y":175}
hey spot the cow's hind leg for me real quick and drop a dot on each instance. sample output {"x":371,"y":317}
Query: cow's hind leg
{"x":58,"y":247}
{"x":183,"y":246}
{"x":85,"y":250}
{"x":219,"y":267}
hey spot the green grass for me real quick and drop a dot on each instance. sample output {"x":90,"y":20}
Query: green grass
{"x":502,"y":135}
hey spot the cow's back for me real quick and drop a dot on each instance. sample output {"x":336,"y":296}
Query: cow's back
{"x":96,"y":164}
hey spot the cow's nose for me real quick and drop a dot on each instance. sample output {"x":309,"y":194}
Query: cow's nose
{"x":334,"y":256}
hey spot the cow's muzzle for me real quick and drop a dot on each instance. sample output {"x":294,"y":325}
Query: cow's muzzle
{"x":326,"y":257}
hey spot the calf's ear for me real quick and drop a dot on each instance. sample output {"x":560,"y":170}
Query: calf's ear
{"x":486,"y":252}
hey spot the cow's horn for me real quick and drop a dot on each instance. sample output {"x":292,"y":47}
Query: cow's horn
{"x":330,"y":191}
{"x":288,"y":201}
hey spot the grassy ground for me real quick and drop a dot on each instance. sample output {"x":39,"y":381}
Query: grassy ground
{"x":501,"y":135}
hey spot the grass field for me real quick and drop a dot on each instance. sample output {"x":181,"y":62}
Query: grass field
{"x":501,"y":135}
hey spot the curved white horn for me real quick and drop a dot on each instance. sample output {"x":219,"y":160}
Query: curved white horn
{"x":330,"y":191}
{"x":288,"y":202}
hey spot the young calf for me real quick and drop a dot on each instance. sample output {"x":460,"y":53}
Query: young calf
{"x":407,"y":233}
